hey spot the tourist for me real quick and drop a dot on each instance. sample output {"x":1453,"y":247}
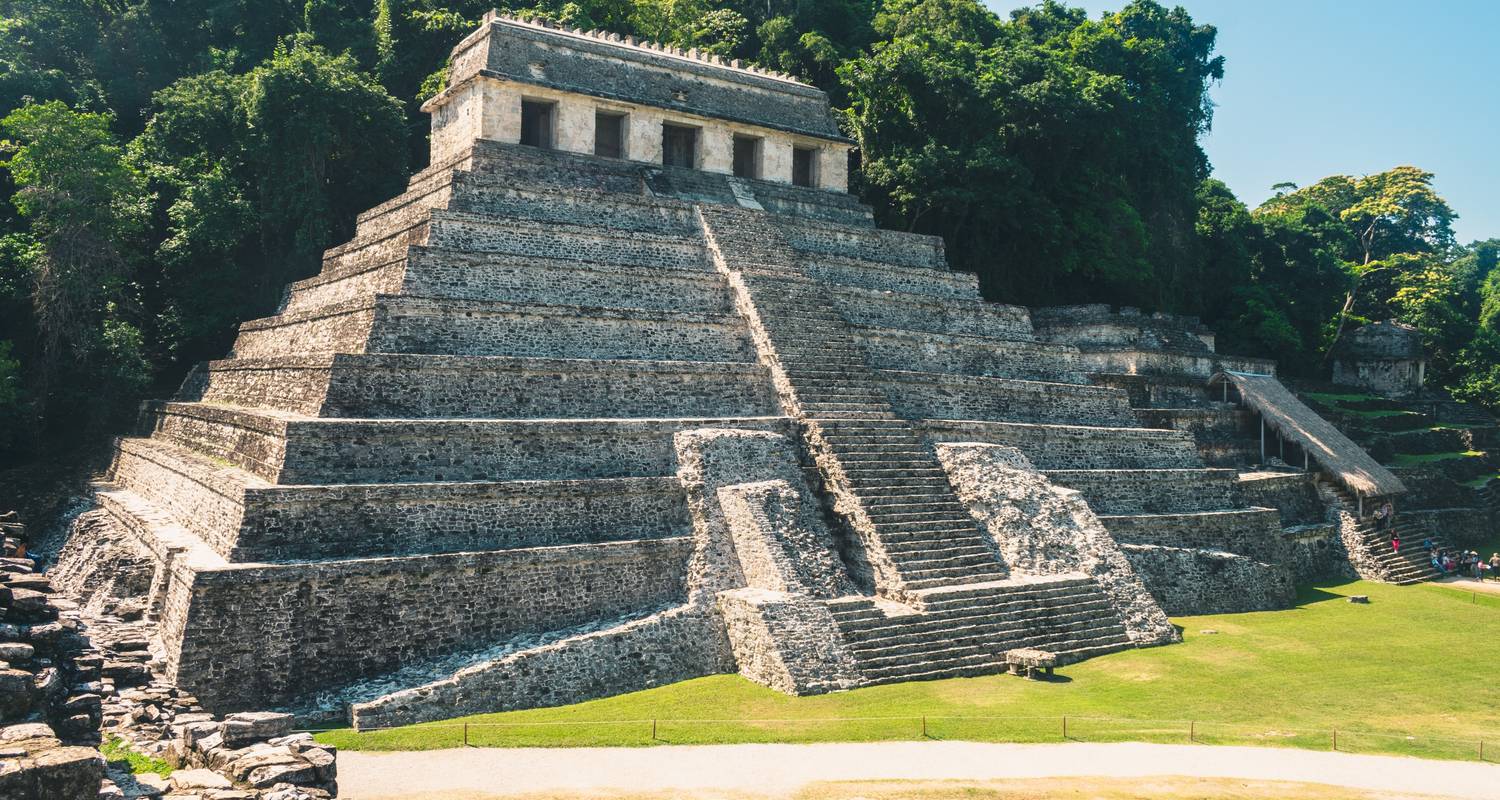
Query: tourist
{"x":1437,"y":563}
{"x":1495,"y":564}
{"x":1381,"y":515}
{"x":1427,"y":544}
{"x":1396,"y":543}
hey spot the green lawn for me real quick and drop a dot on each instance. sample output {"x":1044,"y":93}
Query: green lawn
{"x":1417,"y":662}
{"x":1333,"y":399}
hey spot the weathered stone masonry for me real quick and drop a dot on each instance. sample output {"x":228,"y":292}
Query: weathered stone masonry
{"x":556,"y":425}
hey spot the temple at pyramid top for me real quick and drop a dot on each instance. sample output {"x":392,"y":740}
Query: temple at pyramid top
{"x":532,"y":83}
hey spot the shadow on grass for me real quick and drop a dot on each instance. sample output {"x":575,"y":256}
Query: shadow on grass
{"x":1310,"y":594}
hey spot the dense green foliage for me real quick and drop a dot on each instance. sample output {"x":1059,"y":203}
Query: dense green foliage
{"x":168,"y":167}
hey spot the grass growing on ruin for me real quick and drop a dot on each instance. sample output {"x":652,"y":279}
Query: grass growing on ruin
{"x":115,"y":749}
{"x":1417,"y":459}
{"x":1479,"y":482}
{"x":1417,"y":662}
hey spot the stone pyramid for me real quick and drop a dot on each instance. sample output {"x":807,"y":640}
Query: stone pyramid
{"x":554,"y":425}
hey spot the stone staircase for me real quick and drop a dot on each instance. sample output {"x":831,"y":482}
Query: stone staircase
{"x":890,"y":484}
{"x":966,"y":630}
{"x":1411,"y":565}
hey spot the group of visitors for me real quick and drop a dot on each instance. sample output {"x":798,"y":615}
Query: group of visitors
{"x":1462,"y":562}
{"x":1445,"y":561}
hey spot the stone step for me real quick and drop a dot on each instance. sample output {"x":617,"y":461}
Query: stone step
{"x":815,"y":408}
{"x":883,"y":486}
{"x":1076,"y":446}
{"x":440,"y":326}
{"x":876,"y":275}
{"x":936,"y":395}
{"x":1086,"y":624}
{"x":885,"y":632}
{"x":917,"y":312}
{"x":916,"y":580}
{"x":917,"y":500}
{"x":900,"y":512}
{"x":870,"y":624}
{"x":1151,"y":491}
{"x":293,"y":449}
{"x":925,"y":560}
{"x":427,"y":386}
{"x":966,"y":665}
{"x":480,"y":233}
{"x":896,"y":248}
{"x":888,"y":348}
{"x":245,"y":519}
{"x":975,"y":660}
{"x":962,"y":595}
{"x":437,"y":272}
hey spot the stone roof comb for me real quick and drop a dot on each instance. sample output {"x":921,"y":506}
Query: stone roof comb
{"x":533,"y":19}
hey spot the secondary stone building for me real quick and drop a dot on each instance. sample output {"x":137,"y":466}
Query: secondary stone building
{"x":626,"y":389}
{"x":1386,"y":358}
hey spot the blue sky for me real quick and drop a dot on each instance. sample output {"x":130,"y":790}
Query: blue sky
{"x":1323,"y":87}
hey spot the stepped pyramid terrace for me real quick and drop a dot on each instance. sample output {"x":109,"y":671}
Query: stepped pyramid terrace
{"x":627,"y":389}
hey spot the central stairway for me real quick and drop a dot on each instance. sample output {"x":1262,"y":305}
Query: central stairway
{"x":884,"y":478}
{"x":965,"y":630}
{"x":945,"y":604}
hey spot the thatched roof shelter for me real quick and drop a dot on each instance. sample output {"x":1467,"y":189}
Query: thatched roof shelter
{"x":1335,"y":453}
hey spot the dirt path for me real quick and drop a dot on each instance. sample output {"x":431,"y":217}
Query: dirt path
{"x":1470,"y":584}
{"x":775,"y":771}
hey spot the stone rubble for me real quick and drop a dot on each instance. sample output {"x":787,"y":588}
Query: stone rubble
{"x":244,"y":756}
{"x":50,"y":685}
{"x":68,"y":675}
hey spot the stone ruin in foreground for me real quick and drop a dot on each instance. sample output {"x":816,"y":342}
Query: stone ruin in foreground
{"x":626,"y":389}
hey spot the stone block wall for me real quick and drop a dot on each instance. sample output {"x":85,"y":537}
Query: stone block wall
{"x":483,"y":234}
{"x":1293,"y":494}
{"x":1187,"y":581}
{"x":404,"y":386}
{"x":927,"y":395}
{"x":1317,"y":552}
{"x":1070,"y":447}
{"x":1255,"y":533}
{"x":537,"y":279}
{"x":1150,"y":491}
{"x":777,"y":541}
{"x":333,"y":622}
{"x":313,"y":522}
{"x":786,"y":641}
{"x":966,"y":317}
{"x":481,"y":328}
{"x":354,"y":451}
{"x":876,"y":276}
{"x":666,"y":647}
{"x":1459,"y":527}
{"x":888,"y":348}
{"x":889,"y":247}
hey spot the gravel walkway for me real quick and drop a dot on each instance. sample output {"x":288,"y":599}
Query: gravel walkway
{"x":778,"y":770}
